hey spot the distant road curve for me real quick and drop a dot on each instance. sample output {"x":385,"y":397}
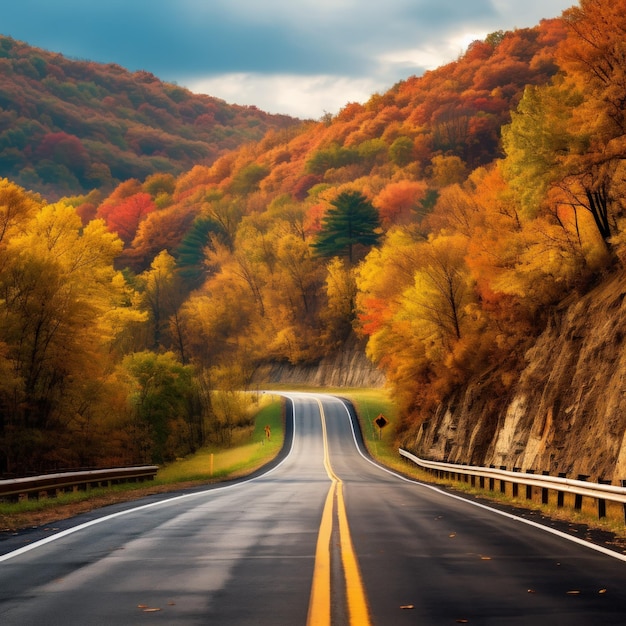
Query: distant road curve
{"x":324,"y":537}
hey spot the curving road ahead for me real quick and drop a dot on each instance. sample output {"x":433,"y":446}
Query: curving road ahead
{"x":324,"y":537}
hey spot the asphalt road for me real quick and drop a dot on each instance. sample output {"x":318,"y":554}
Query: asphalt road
{"x":324,"y":537}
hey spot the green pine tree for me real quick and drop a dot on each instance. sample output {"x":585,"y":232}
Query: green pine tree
{"x":352,"y":222}
{"x":190,"y":252}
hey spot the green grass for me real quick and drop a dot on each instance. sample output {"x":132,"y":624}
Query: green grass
{"x":250,"y":451}
{"x":369,"y":404}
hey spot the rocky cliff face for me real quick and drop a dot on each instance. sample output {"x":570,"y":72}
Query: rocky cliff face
{"x":348,"y":367}
{"x":567,"y":411}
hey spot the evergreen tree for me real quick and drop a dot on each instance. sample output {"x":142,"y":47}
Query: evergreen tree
{"x":190,"y":254}
{"x":352,"y":221}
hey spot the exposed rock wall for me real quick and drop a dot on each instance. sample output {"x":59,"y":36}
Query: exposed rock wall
{"x":348,"y":367}
{"x":567,"y":411}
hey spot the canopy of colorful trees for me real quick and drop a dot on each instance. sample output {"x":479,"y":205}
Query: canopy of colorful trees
{"x":440,"y":222}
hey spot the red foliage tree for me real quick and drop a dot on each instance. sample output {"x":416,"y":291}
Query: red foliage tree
{"x":124,"y":216}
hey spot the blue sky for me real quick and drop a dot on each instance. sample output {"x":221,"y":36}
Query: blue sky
{"x":299,"y":57}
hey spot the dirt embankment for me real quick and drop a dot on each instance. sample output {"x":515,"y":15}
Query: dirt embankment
{"x":566,"y":412}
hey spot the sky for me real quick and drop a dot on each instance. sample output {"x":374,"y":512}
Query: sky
{"x":304,"y":58}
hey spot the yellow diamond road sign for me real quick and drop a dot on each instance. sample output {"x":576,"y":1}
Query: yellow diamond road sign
{"x":381,"y":421}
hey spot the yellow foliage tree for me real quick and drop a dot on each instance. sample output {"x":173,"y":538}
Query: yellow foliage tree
{"x":437,"y":303}
{"x":58,"y":287}
{"x":162,"y":295}
{"x":16,"y":208}
{"x":338,"y":314}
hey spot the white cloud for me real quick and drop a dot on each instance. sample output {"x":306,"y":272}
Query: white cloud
{"x":459,"y":44}
{"x":301,"y":96}
{"x":310,"y":97}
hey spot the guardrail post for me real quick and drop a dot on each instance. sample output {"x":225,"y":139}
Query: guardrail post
{"x":492,"y":481}
{"x":515,"y":486}
{"x":529,"y":488}
{"x":624,"y":505}
{"x":560,"y":495}
{"x":602,"y":501}
{"x":502,"y":481}
{"x":578,"y":500}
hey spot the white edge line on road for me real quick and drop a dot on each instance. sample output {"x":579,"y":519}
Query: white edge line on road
{"x":106,"y":518}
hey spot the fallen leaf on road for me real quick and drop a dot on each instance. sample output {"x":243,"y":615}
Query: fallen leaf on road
{"x":602,"y":591}
{"x":151,"y":610}
{"x":574,"y":592}
{"x":531,"y":591}
{"x":452,"y":535}
{"x":485,"y":558}
{"x":407,"y":606}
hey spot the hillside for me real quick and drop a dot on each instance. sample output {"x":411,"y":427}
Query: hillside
{"x":443,"y":225}
{"x":400,"y":148}
{"x":69,"y":126}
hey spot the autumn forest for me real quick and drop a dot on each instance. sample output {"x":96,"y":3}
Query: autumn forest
{"x":440,"y":223}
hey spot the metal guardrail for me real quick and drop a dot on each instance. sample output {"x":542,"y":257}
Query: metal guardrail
{"x":52,"y":484}
{"x":601,"y":492}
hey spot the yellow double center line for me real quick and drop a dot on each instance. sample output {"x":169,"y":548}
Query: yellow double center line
{"x":320,"y":603}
